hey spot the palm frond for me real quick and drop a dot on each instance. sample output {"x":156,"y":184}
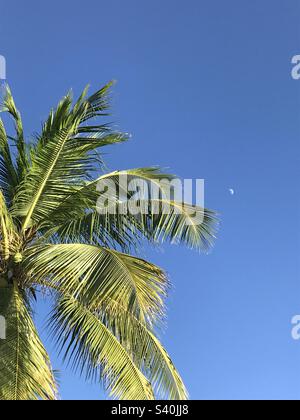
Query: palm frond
{"x":96,"y":351}
{"x":7,"y":231}
{"x":140,"y":342}
{"x":62,"y":159}
{"x":22,"y":156}
{"x":145,"y":348}
{"x":159,"y":218}
{"x":24,"y":363}
{"x":103,"y":273}
{"x":8,"y":174}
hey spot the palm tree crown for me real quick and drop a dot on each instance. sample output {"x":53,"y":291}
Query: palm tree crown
{"x":54,"y":241}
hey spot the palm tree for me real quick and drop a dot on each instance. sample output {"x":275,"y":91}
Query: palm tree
{"x":107,"y":304}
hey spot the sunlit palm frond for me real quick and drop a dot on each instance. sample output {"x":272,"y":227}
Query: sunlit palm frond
{"x":96,"y":351}
{"x":61,"y":160}
{"x":24,"y":364}
{"x":22,"y":158}
{"x":145,"y":348}
{"x":103,"y":273}
{"x":158,"y":218}
{"x":135,"y":335}
{"x":7,"y":231}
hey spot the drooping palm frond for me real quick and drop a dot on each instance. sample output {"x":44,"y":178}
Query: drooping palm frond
{"x":157,"y":218}
{"x":144,"y":347}
{"x":95,"y":350}
{"x":113,"y":309}
{"x":24,"y":364}
{"x":98,"y":273}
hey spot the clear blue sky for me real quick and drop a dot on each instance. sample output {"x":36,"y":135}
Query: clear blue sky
{"x":205,"y":89}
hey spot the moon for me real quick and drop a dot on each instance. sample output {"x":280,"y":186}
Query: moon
{"x":231,"y":190}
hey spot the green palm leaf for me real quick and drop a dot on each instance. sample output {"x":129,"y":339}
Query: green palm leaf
{"x":22,"y":159}
{"x":7,"y":231}
{"x":97,"y":351}
{"x":99,"y":273}
{"x":24,"y":363}
{"x":8,"y":174}
{"x":114,"y":226}
{"x":145,"y":348}
{"x":61,"y":159}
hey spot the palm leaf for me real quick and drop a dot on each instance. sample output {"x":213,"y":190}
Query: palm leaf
{"x":159,"y":219}
{"x":8,"y":174}
{"x":96,"y":350}
{"x":61,"y":160}
{"x":7,"y":230}
{"x":22,"y":157}
{"x":144,"y":347}
{"x":103,"y":273}
{"x":24,"y":363}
